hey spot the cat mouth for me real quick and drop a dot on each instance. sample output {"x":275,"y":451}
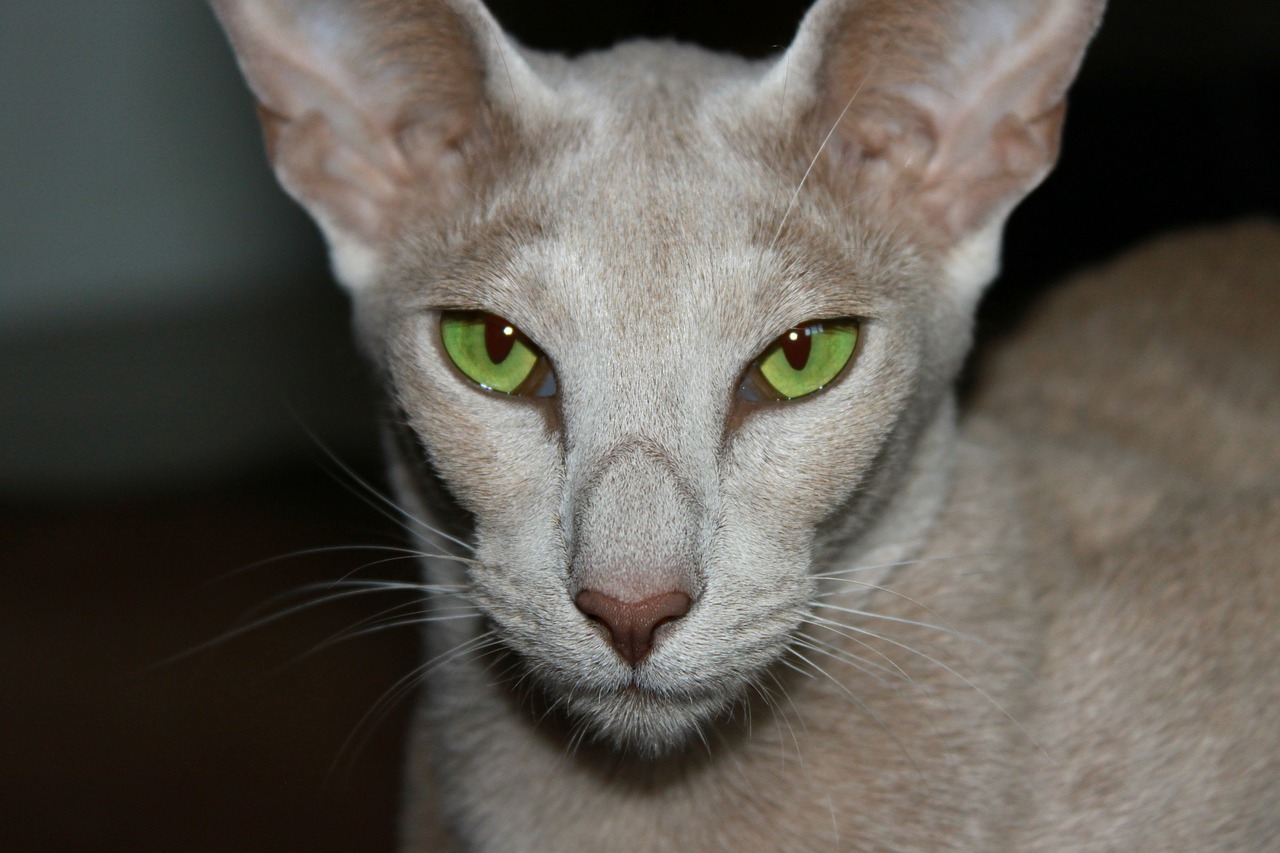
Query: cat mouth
{"x":656,"y":706}
{"x":635,"y":688}
{"x":636,"y":715}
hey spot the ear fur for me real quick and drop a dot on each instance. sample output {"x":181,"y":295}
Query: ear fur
{"x":370,"y":106}
{"x":950,"y":110}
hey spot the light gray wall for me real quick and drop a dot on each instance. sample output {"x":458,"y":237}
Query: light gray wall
{"x":164,"y":311}
{"x":132,"y":174}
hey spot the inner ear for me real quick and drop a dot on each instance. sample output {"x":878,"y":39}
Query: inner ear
{"x":948,"y":111}
{"x":371,"y":110}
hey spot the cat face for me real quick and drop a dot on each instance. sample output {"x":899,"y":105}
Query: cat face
{"x":649,"y":470}
{"x":650,"y":225}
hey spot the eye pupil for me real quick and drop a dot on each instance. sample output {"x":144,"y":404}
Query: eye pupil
{"x":499,"y":339}
{"x":796,"y":346}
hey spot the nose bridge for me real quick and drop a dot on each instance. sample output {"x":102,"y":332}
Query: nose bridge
{"x":635,"y":525}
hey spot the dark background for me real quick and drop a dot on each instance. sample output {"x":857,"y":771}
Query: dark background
{"x":173,"y":356}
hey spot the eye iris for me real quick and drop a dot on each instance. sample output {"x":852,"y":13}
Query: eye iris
{"x":805,"y":359}
{"x":492,"y":353}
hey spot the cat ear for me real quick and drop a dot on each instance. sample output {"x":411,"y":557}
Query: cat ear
{"x":369,"y":107}
{"x":949,"y":109}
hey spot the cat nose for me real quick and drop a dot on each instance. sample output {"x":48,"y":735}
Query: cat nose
{"x":632,"y":624}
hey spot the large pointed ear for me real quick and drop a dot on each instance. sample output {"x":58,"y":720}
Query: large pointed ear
{"x":370,"y":107}
{"x":950,"y":111}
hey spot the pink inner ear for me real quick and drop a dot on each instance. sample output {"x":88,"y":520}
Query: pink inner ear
{"x":362,"y":113}
{"x":962,"y":194}
{"x":958,"y":107}
{"x":331,"y":179}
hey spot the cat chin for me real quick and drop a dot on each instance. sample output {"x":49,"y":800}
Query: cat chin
{"x":635,"y":716}
{"x":644,"y":724}
{"x":662,"y":708}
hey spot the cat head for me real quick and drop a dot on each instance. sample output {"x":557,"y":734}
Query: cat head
{"x":661,"y":318}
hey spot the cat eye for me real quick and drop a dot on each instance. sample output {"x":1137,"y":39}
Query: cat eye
{"x":804,"y":359}
{"x":494,"y":354}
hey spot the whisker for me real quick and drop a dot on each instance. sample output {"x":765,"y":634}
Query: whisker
{"x":383,"y":622}
{"x":376,"y":500}
{"x":839,"y":574}
{"x":362,"y":587}
{"x":862,"y":665}
{"x":790,"y":665}
{"x":780,"y":717}
{"x":336,"y":549}
{"x":403,"y":686}
{"x":372,"y":583}
{"x":863,"y":705}
{"x":386,"y":625}
{"x":578,"y":735}
{"x":836,"y":124}
{"x":865,"y":667}
{"x":941,"y":629}
{"x":702,"y":736}
{"x":815,"y":601}
{"x":835,"y":627}
{"x":786,"y":694}
{"x":354,"y":588}
{"x":968,"y":682}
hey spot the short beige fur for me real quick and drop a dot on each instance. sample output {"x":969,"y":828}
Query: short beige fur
{"x":1043,"y":624}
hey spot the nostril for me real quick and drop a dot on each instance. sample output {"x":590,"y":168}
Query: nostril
{"x":631,"y":624}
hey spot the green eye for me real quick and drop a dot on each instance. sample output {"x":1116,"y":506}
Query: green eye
{"x":495,"y":355}
{"x":806,"y":358}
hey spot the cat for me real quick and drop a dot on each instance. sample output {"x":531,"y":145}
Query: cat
{"x":669,"y":341}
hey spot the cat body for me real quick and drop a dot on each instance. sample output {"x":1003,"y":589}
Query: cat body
{"x":689,"y":616}
{"x":1117,"y":564}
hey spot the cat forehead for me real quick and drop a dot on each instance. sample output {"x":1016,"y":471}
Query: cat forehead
{"x":649,"y":190}
{"x":680,"y":266}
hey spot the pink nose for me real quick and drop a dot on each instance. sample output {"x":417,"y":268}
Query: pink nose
{"x":631,"y":624}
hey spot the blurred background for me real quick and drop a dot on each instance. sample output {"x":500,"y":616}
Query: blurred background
{"x":178,"y":396}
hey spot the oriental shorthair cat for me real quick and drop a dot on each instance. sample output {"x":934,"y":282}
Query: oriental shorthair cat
{"x":712,"y":560}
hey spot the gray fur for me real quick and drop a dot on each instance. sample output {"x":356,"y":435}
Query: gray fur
{"x":1024,"y":632}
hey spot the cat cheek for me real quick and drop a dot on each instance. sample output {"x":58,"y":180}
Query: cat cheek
{"x":498,"y":464}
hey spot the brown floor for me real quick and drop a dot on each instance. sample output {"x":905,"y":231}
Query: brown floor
{"x":255,"y":743}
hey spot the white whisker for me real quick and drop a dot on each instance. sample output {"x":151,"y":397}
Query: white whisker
{"x":836,"y":124}
{"x":853,"y":611}
{"x":383,"y":622}
{"x":404,"y":685}
{"x":384,"y":505}
{"x":862,"y":705}
{"x":840,"y":574}
{"x":406,"y":553}
{"x":968,"y":682}
{"x":865,"y":667}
